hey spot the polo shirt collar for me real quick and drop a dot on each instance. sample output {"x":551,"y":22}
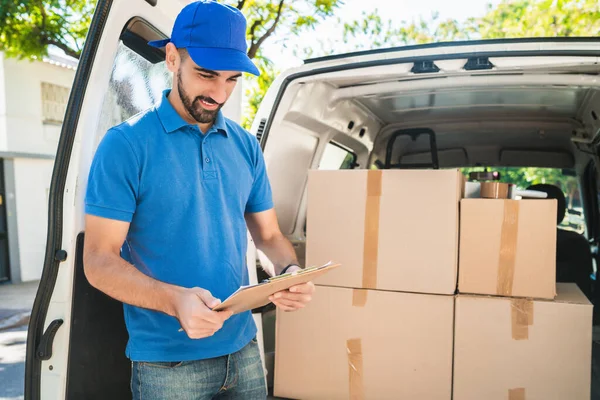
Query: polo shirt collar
{"x":172,"y":121}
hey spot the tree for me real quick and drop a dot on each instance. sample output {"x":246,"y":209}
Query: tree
{"x":29,"y":27}
{"x":267,"y":19}
{"x":509,"y":19}
{"x":529,"y":18}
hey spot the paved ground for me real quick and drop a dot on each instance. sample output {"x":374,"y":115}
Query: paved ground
{"x":15,"y":306}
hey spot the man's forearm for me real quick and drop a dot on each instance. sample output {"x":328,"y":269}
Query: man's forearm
{"x":280,"y":251}
{"x":120,"y":280}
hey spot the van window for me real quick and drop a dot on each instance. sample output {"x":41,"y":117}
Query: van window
{"x":566,"y":179}
{"x":337,"y":157}
{"x":135,"y":85}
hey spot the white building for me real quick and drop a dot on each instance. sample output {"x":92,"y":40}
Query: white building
{"x":33,"y":99}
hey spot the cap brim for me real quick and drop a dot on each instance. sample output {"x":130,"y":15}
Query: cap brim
{"x":159,"y":43}
{"x":217,"y":59}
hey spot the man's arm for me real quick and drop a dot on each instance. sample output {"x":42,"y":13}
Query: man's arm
{"x":108,"y":272}
{"x":267,"y":236}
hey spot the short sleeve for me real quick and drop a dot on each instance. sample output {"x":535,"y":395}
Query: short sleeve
{"x":113,"y":180}
{"x":261,"y":197}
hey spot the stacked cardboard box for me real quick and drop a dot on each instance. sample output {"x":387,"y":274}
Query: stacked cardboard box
{"x":390,"y":324}
{"x":518,"y":335}
{"x":381,"y":325}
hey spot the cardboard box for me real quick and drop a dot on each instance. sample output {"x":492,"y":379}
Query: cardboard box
{"x":519,"y":349}
{"x":364,"y":344}
{"x":391,"y":230}
{"x":508,"y":247}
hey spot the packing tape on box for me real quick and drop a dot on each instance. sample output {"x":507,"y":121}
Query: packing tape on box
{"x":359,"y":297}
{"x":516,"y":394}
{"x":494,"y":190}
{"x":371,"y":233}
{"x":355,"y":369}
{"x":508,"y":248}
{"x":522,"y":318}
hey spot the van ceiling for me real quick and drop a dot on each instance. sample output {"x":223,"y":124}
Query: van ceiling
{"x":484,"y":113}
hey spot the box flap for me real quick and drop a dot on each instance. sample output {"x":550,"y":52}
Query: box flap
{"x":570,"y":293}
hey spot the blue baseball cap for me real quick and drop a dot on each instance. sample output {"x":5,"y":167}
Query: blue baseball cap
{"x":214,"y":35}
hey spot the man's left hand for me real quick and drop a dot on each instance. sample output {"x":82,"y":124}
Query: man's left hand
{"x":296,"y":297}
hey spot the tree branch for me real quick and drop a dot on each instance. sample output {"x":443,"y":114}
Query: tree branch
{"x":240,"y":4}
{"x":256,"y":45}
{"x":255,"y":25}
{"x":68,"y":51}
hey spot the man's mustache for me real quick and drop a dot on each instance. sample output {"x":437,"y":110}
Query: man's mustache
{"x":207,"y":100}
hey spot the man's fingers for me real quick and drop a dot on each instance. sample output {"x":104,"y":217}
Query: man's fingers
{"x":289,"y":303}
{"x":302,"y":298}
{"x":200,"y":333}
{"x":283,"y":307}
{"x":224,"y":315}
{"x":208,"y":299}
{"x":306,"y":288}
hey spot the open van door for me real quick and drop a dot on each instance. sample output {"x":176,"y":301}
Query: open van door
{"x":77,"y":335}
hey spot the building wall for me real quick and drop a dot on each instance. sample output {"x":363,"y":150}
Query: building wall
{"x":26,"y":129}
{"x":32,"y":186}
{"x":3,"y":133}
{"x":29,"y":129}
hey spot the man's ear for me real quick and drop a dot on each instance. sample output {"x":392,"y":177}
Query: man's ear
{"x":172,"y":57}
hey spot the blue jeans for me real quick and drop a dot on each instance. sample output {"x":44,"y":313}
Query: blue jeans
{"x":236,"y":376}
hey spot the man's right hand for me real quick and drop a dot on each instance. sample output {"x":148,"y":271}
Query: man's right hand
{"x":193,"y":309}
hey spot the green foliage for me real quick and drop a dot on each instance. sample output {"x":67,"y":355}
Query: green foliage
{"x":529,"y":18}
{"x":256,"y":87}
{"x":348,"y":162}
{"x":27,"y":28}
{"x":267,"y":19}
{"x":510,"y":19}
{"x":526,"y":176}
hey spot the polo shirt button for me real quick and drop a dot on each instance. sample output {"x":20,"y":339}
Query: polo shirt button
{"x":207,"y":159}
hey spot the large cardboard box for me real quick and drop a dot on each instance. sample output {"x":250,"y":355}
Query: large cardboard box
{"x":519,"y":349}
{"x":391,"y":230}
{"x":363,"y":344}
{"x":508,"y":247}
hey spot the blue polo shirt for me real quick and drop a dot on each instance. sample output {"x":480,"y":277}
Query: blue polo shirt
{"x":184,"y":194}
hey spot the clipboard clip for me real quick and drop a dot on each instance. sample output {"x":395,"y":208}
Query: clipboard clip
{"x":294,"y":273}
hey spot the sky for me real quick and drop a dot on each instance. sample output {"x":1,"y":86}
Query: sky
{"x":397,"y":10}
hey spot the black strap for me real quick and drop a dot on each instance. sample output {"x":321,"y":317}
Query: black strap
{"x":288,"y":267}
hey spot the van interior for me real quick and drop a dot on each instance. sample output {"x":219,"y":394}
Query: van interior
{"x":535,"y":116}
{"x":500,"y":112}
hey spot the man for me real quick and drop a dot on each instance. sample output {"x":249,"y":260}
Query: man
{"x":170,"y":195}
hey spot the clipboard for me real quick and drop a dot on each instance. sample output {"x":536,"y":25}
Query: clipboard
{"x":254,"y":296}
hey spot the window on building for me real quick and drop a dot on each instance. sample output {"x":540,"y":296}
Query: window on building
{"x":54,"y":102}
{"x":337,"y":157}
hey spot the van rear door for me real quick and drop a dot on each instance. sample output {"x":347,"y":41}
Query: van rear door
{"x":75,"y":346}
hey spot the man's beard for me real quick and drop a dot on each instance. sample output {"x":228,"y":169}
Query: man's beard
{"x":194,"y":108}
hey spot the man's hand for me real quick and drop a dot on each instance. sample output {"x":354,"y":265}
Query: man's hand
{"x":294,"y":298}
{"x":193,"y":309}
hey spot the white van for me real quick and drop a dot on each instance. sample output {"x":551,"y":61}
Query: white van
{"x":500,"y":104}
